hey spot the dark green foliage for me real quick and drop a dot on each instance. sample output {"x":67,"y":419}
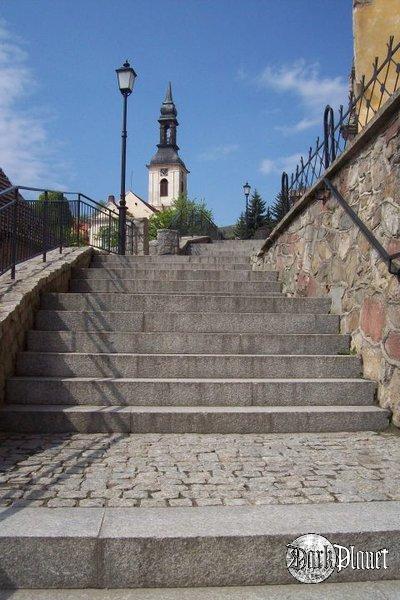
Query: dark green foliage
{"x":256,"y":218}
{"x":241,"y":230}
{"x":160,"y":220}
{"x":58,"y":216}
{"x":256,"y":213}
{"x":189,"y":217}
{"x":269,"y":223}
{"x":279,"y":208}
{"x":107,"y":239}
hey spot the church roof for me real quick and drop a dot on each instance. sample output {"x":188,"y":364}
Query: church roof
{"x":167,"y":155}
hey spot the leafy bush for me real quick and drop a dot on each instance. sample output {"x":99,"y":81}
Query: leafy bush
{"x":189,"y":217}
{"x":160,"y":220}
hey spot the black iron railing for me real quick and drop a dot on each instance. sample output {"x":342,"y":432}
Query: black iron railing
{"x":54,"y":219}
{"x":364,"y":103}
{"x":195,"y":222}
{"x":389,"y":259}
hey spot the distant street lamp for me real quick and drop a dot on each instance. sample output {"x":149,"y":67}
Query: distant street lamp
{"x":246,"y":189}
{"x":126,"y":78}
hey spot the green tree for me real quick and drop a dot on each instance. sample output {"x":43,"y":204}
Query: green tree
{"x":107,"y":238}
{"x":160,"y":220}
{"x":189,"y":217}
{"x":58,"y":216}
{"x":256,"y":213}
{"x":241,"y":231}
{"x":269,"y":221}
{"x":279,"y":208}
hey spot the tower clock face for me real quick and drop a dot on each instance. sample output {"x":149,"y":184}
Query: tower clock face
{"x":164,"y":172}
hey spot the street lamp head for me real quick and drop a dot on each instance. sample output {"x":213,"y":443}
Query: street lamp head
{"x":246,"y":189}
{"x":126,"y":78}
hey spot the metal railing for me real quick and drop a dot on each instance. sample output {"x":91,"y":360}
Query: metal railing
{"x":374,"y":242}
{"x":195,"y":222}
{"x":363,"y":105}
{"x":54,"y":219}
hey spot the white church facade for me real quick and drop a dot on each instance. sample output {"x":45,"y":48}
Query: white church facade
{"x":167,"y":171}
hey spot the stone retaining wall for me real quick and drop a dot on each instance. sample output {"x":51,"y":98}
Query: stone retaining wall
{"x":319,"y":251}
{"x":20,"y":298}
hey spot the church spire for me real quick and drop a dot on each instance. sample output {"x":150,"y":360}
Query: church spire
{"x":168,"y":95}
{"x":168,"y":108}
{"x":167,"y":171}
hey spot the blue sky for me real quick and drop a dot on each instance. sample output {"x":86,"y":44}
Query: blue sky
{"x":250,"y":81}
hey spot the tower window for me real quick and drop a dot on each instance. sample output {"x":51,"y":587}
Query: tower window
{"x":164,"y":187}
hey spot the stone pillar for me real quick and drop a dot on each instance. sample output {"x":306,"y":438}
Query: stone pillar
{"x":141,"y":245}
{"x":167,"y":241}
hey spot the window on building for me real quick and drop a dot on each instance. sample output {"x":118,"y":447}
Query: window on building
{"x":164,"y":187}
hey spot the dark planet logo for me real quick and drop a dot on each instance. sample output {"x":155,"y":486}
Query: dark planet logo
{"x":310,"y":558}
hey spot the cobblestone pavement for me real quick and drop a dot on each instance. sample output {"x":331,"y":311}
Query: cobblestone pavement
{"x":197,"y":470}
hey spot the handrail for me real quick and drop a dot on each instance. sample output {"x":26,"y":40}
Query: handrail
{"x":195,"y":219}
{"x":30,"y":227}
{"x":337,"y":133}
{"x":8,"y":190}
{"x":64,"y":193}
{"x":375,"y":243}
{"x":10,"y":203}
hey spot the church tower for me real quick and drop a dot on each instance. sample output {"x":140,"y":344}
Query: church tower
{"x":167,"y":171}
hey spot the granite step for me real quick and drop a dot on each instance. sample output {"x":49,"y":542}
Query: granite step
{"x":189,"y":322}
{"x":189,"y":392}
{"x":225,"y":261}
{"x":377,"y":590}
{"x":172,"y":266}
{"x":56,"y":418}
{"x":170,"y":302}
{"x":227,"y":366}
{"x":187,"y":343}
{"x":188,"y":547}
{"x":176,"y":274}
{"x":135,"y":285}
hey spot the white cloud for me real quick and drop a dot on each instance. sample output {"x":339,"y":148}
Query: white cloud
{"x":25,"y":153}
{"x":219,"y":152}
{"x":278,"y":165}
{"x":313,"y":90}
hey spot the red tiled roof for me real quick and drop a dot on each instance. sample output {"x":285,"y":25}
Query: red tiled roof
{"x":4,"y":184}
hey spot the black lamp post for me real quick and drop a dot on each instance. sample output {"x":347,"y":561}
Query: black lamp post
{"x":246,"y":189}
{"x":126,"y":78}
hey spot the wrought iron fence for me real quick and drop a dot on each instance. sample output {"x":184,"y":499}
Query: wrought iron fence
{"x":364,"y":103}
{"x":30,"y":227}
{"x":196,"y":222}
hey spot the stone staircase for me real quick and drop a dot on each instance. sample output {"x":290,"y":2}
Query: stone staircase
{"x":181,"y":344}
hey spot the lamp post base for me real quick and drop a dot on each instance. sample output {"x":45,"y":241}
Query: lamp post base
{"x":122,"y":230}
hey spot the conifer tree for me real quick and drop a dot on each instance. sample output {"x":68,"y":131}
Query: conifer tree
{"x":241,"y":230}
{"x":269,"y":221}
{"x":279,"y":208}
{"x":256,"y":213}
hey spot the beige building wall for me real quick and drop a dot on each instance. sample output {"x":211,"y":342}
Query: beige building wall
{"x":177,"y":184}
{"x":374,"y":21}
{"x":136,"y":207}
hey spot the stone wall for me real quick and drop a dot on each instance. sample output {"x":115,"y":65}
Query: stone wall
{"x":20,"y":298}
{"x":319,"y":251}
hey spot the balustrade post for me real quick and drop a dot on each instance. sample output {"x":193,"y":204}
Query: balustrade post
{"x":45,"y":225}
{"x":78,"y":237}
{"x":14,"y":234}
